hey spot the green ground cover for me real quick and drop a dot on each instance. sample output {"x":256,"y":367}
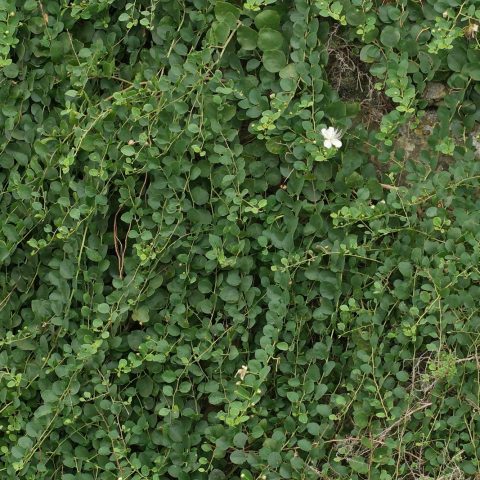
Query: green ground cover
{"x":239,"y":240}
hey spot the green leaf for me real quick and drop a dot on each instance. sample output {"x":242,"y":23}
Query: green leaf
{"x":247,"y":38}
{"x":293,"y":397}
{"x":220,"y":32}
{"x":359,"y":465}
{"x":238,"y":457}
{"x":314,"y":429}
{"x":472,"y":70}
{"x":390,"y":36}
{"x":48,"y":396}
{"x":402,"y":376}
{"x":67,"y":269}
{"x":405,"y":269}
{"x":324,"y":410}
{"x":274,"y":459}
{"x":200,"y":196}
{"x":369,"y":53}
{"x":267,"y":19}
{"x":289,"y":71}
{"x":355,"y":17}
{"x":141,"y":315}
{"x":246,"y":475}
{"x":145,"y":387}
{"x":176,"y":432}
{"x":25,"y":442}
{"x":216,"y":474}
{"x":456,"y":59}
{"x":11,"y":71}
{"x":305,"y":445}
{"x":128,"y":150}
{"x":229,"y":294}
{"x":30,"y":5}
{"x":240,"y":440}
{"x":274,"y":60}
{"x":103,"y":308}
{"x":227,"y":13}
{"x":269,"y":39}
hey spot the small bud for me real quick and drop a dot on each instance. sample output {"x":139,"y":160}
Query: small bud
{"x":471,"y":30}
{"x":242,"y":372}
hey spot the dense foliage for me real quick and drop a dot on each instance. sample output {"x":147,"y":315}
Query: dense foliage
{"x":192,"y":286}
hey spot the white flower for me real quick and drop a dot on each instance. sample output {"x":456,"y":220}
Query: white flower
{"x":241,"y":372}
{"x":332,"y":137}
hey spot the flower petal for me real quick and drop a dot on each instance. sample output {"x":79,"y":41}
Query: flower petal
{"x":324,"y":132}
{"x":336,"y":142}
{"x":327,"y":144}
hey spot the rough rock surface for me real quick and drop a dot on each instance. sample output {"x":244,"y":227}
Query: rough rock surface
{"x":435,"y":92}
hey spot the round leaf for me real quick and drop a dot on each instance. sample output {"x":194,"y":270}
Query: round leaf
{"x":270,"y":39}
{"x":390,"y":36}
{"x":267,"y":18}
{"x":473,"y":71}
{"x":274,"y":60}
{"x":247,"y":38}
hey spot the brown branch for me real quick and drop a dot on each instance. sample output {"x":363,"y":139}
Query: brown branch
{"x":388,"y":187}
{"x":143,"y":186}
{"x":119,"y":251}
{"x":468,"y":359}
{"x":404,"y":418}
{"x":44,"y":14}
